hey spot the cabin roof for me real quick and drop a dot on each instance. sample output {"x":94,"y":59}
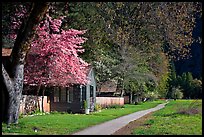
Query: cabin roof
{"x":109,"y":86}
{"x":87,"y":71}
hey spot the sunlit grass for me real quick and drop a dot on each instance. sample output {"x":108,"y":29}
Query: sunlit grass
{"x":169,"y":120}
{"x":63,"y":124}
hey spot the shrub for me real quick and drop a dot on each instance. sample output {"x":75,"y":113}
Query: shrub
{"x":151,"y":96}
{"x":85,"y":104}
{"x":196,"y":89}
{"x":138,"y":103}
{"x":54,"y":112}
{"x":115,"y":106}
{"x":21,"y":115}
{"x":63,"y":112}
{"x":97,"y":107}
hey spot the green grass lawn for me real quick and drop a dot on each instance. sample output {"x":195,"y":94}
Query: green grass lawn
{"x":63,"y":124}
{"x":175,"y":119}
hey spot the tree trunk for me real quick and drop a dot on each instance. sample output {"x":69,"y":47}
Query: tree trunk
{"x":3,"y":104}
{"x":14,"y":81}
{"x":38,"y":90}
{"x":43,"y":91}
{"x":15,"y":95}
{"x":131,"y":97}
{"x":120,"y":87}
{"x":99,"y":89}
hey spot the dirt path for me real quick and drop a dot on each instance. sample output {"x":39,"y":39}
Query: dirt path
{"x":128,"y":129}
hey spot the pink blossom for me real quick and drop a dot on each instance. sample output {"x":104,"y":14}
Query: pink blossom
{"x":53,"y":58}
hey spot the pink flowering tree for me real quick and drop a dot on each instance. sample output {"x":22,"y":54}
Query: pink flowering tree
{"x":51,"y":53}
{"x":53,"y":59}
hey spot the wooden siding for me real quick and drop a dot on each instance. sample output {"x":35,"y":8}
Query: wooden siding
{"x":74,"y":106}
{"x":59,"y":106}
{"x":91,"y":100}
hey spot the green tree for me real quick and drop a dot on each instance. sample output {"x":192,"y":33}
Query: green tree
{"x":99,"y":50}
{"x":191,"y":88}
{"x":196,"y":91}
{"x":176,"y":93}
{"x":144,"y":25}
{"x":163,"y":86}
{"x":136,"y":33}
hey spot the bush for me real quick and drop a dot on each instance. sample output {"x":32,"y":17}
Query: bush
{"x":138,"y":103}
{"x":63,"y":112}
{"x":58,"y":112}
{"x":97,"y":107}
{"x":54,"y":112}
{"x":151,"y":96}
{"x":85,"y":104}
{"x":196,"y":89}
{"x":115,"y":106}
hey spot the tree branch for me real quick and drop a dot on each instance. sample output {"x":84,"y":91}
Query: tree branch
{"x":28,"y":30}
{"x":7,"y":80}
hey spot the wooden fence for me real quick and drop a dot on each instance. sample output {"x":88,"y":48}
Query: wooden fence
{"x":31,"y":104}
{"x":109,"y":101}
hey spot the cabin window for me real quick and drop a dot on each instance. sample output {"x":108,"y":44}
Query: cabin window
{"x":91,"y":91}
{"x":56,"y":94}
{"x":63,"y":94}
{"x":83,"y":92}
{"x":70,"y":94}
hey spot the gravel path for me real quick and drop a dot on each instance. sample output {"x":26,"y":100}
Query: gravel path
{"x":109,"y":127}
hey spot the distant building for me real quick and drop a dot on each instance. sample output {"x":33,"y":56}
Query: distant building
{"x":108,"y":89}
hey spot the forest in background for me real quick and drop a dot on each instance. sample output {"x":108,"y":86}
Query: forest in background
{"x":126,"y":44}
{"x":141,"y":46}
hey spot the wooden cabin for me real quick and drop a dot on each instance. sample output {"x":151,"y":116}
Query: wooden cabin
{"x":71,"y":99}
{"x":66,"y":99}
